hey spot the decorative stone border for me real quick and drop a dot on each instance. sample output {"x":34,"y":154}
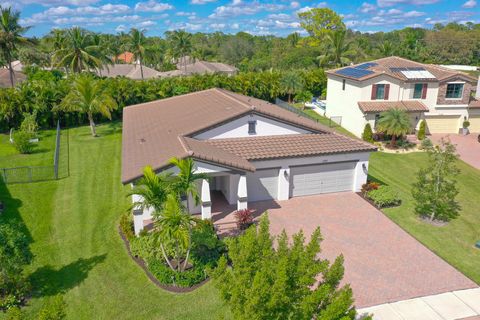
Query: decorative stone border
{"x":151,"y":277}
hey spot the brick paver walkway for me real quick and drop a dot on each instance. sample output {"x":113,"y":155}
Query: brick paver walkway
{"x":383,"y":263}
{"x":468,"y":146}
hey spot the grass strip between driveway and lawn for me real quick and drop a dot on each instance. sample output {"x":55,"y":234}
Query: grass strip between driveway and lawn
{"x":72,"y":224}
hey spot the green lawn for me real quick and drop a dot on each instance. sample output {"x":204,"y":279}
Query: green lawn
{"x":453,"y":242}
{"x":73,"y":222}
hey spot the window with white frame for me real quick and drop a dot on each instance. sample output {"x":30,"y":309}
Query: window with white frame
{"x":454,"y":91}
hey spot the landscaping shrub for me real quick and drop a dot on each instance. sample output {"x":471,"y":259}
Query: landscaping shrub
{"x":53,"y":309}
{"x":384,"y":196}
{"x":366,"y":187}
{"x":126,"y":225}
{"x":21,"y":141}
{"x":405,"y":144}
{"x":167,"y":276}
{"x":207,"y":248}
{"x":244,"y":218}
{"x":29,"y":124}
{"x":422,"y":130}
{"x":14,"y":313}
{"x":426,"y":144}
{"x":367,"y":134}
{"x":466,"y":124}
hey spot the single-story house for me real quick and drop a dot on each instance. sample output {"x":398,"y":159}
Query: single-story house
{"x":131,"y":71}
{"x":253,"y":150}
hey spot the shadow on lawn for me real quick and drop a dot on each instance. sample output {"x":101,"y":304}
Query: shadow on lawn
{"x":49,"y":281}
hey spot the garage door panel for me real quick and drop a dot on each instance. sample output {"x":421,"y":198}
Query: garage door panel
{"x":322,"y":178}
{"x":443,"y":124}
{"x":474,"y":124}
{"x":262,"y":185}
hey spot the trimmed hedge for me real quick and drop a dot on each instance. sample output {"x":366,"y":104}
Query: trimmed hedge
{"x":384,"y":197}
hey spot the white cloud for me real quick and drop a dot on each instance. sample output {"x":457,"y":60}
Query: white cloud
{"x":294,"y":4}
{"x":469,"y":4}
{"x":48,"y":3}
{"x":235,"y":26}
{"x":218,"y":26}
{"x":152,"y":6}
{"x":413,"y":14}
{"x":367,"y":7}
{"x":185,"y":14}
{"x":238,"y":8}
{"x":201,"y":1}
{"x":120,"y":28}
{"x":308,"y":8}
{"x":390,"y":3}
{"x":145,"y":24}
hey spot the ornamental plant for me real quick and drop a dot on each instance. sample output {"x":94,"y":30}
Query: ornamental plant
{"x":367,"y":134}
{"x":422,"y":130}
{"x":244,"y":218}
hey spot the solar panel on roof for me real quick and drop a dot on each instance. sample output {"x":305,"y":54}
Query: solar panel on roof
{"x":354,"y":72}
{"x":407,"y":69}
{"x":367,"y":65}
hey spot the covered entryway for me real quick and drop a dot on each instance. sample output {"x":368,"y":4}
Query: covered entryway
{"x":474,"y":124}
{"x":443,"y":124}
{"x":321,"y":178}
{"x":262,"y":184}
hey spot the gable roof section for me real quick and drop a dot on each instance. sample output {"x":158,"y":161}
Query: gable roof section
{"x":380,"y":106}
{"x":131,"y":71}
{"x":5,"y":77}
{"x":393,"y":67}
{"x":156,"y":131}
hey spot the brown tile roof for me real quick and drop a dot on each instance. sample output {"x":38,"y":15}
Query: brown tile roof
{"x":199,"y":67}
{"x":293,"y":145}
{"x":156,"y":131}
{"x":379,"y":106}
{"x":127,"y":57}
{"x":5,"y":77}
{"x":131,"y":71}
{"x":385,"y":65}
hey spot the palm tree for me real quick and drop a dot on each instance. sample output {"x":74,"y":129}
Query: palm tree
{"x":291,"y":83}
{"x":174,"y":226}
{"x":338,"y":51}
{"x":386,"y":48}
{"x":394,"y":122}
{"x":137,"y":46}
{"x":153,"y":189}
{"x":87,"y":96}
{"x":181,"y":44}
{"x":78,"y":52}
{"x":10,"y":36}
{"x":185,"y":182}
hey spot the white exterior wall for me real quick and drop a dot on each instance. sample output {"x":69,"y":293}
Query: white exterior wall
{"x":239,"y":128}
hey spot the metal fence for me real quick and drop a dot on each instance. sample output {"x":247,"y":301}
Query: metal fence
{"x":58,"y":169}
{"x":332,"y":122}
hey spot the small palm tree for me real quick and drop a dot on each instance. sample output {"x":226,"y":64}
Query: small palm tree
{"x":185,"y":182}
{"x":290,"y":84}
{"x":394,"y":122}
{"x":153,"y":189}
{"x":181,"y":45}
{"x":338,"y":52}
{"x":78,"y":52}
{"x":174,"y":226}
{"x":137,"y":46}
{"x":10,"y":36}
{"x":87,"y":96}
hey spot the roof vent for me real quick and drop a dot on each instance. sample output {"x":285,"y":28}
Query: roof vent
{"x":142,"y":140}
{"x":253,"y":108}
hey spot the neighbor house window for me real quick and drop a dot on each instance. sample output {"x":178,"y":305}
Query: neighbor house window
{"x":380,"y":91}
{"x":420,"y":91}
{"x":343,"y":84}
{"x":454,"y":90}
{"x":252,"y":127}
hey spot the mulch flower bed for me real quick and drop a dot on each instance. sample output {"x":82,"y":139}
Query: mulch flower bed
{"x":373,"y":203}
{"x":150,"y":276}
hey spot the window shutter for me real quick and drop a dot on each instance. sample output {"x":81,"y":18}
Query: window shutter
{"x":387,"y":91}
{"x":374,"y":91}
{"x":424,"y":90}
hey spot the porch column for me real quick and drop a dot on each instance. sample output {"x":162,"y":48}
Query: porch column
{"x":361,"y":174}
{"x":283,"y":183}
{"x":206,"y":202}
{"x":242,"y":201}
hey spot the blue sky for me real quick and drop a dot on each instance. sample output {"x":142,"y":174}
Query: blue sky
{"x":277,"y":17}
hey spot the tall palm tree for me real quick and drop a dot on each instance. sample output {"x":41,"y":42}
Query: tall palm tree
{"x":153,"y":189}
{"x":137,"y":46}
{"x":174,"y":226}
{"x":394,"y":122}
{"x":186,"y":180}
{"x":10,"y":36}
{"x":291,"y":83}
{"x":338,"y":52}
{"x":87,"y":96}
{"x":386,"y":48}
{"x":181,"y":45}
{"x":78,"y":52}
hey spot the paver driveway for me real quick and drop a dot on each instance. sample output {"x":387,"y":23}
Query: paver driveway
{"x":468,"y":146}
{"x":383,"y":263}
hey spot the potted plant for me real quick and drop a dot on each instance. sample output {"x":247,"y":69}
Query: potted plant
{"x":465,"y":126}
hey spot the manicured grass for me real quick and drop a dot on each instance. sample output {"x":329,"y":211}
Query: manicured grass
{"x":454,"y":242}
{"x":73,"y":223}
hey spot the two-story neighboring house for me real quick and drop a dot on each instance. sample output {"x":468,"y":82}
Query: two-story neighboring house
{"x":251,"y":149}
{"x":443,"y":97}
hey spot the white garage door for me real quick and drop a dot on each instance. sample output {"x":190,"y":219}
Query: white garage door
{"x":474,"y":124}
{"x":321,"y":178}
{"x":262,"y":185}
{"x":443,"y":124}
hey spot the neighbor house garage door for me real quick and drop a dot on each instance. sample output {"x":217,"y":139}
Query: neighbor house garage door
{"x":262,"y":185}
{"x":442,"y":124}
{"x":474,"y":124}
{"x":321,"y":178}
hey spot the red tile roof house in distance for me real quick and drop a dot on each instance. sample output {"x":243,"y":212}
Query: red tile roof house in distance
{"x":252,"y":150}
{"x":441,"y":96}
